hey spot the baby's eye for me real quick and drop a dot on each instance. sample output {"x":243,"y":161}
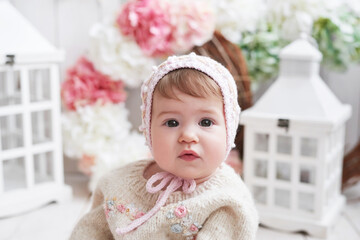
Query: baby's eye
{"x":205,"y":123}
{"x":172,"y":123}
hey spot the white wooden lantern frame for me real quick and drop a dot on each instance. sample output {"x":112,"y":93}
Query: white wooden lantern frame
{"x":294,"y":137}
{"x":31,"y":164}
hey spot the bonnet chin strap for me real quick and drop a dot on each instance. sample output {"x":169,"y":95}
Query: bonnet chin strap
{"x":188,"y":186}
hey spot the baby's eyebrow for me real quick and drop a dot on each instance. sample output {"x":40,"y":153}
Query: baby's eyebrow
{"x":209,"y":111}
{"x":166,"y":112}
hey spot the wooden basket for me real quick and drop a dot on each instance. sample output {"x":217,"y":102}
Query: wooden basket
{"x":229,"y":54}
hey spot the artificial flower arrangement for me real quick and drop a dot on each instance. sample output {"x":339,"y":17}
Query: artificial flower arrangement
{"x":96,"y":131}
{"x":125,"y":47}
{"x":145,"y":32}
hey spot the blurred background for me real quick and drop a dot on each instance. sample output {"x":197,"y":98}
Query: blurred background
{"x":67,"y":24}
{"x":106,"y":50}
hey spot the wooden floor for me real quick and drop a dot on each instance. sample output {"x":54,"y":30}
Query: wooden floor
{"x":55,"y":221}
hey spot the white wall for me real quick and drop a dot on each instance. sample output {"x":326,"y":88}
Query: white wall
{"x":66,"y":24}
{"x":346,"y":86}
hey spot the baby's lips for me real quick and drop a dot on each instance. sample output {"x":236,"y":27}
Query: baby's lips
{"x":189,"y":153}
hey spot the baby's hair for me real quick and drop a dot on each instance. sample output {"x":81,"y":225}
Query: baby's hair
{"x":189,"y":81}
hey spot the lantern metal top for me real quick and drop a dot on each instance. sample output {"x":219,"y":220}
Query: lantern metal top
{"x":301,"y":49}
{"x":22,"y":41}
{"x":301,"y":98}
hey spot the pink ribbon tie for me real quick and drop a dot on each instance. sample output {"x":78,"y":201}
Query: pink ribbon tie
{"x":188,"y":186}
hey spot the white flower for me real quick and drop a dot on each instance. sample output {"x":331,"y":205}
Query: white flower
{"x":295,"y":16}
{"x":354,"y":5}
{"x":89,"y":128}
{"x":118,"y":56}
{"x":194,"y":22}
{"x":103,"y":132}
{"x":236,"y":16}
{"x":118,"y":154}
{"x":294,"y":25}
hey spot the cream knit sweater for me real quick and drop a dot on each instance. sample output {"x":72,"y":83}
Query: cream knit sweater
{"x":220,"y":208}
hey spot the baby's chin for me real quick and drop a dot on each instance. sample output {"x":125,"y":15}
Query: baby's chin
{"x":186,"y":176}
{"x":198,"y":179}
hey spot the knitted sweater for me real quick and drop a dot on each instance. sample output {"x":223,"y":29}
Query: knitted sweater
{"x":220,"y":208}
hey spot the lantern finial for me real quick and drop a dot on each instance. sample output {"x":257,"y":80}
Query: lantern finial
{"x":304,"y":48}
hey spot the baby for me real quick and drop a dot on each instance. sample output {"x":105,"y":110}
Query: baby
{"x":190,"y":117}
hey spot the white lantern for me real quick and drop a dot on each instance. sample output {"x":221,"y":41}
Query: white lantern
{"x":31,"y":164}
{"x":294,"y":141}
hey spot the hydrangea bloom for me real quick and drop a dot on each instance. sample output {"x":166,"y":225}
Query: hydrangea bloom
{"x":193,"y":24}
{"x":131,"y":149}
{"x":85,"y":85}
{"x":149,"y":23}
{"x":118,"y":56}
{"x":100,"y":136}
{"x":354,"y":5}
{"x":163,"y":27}
{"x":294,"y":17}
{"x":233,"y":17}
{"x":90,"y":128}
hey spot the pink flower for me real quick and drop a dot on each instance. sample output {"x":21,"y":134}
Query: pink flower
{"x":85,"y":85}
{"x":193,"y":228}
{"x":85,"y":164}
{"x":193,"y":23}
{"x":121,"y":208}
{"x":139,"y":215}
{"x":180,"y":211}
{"x":148,"y":22}
{"x":162,"y":28}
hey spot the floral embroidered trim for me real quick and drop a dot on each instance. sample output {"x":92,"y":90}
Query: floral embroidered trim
{"x":113,"y":206}
{"x":181,"y":222}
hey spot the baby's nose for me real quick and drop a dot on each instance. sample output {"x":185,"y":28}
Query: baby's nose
{"x":188,"y":136}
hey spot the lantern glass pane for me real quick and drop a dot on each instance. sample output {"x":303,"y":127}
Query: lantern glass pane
{"x":283,"y":171}
{"x":10,"y":88}
{"x":261,"y":142}
{"x":14,"y":174}
{"x":39,"y":85}
{"x":308,"y":147}
{"x":306,"y":201}
{"x":284,"y":144}
{"x":282,"y":198}
{"x":11,"y":129}
{"x":307,"y":174}
{"x":261,"y":168}
{"x":44,"y":167}
{"x":41,"y":126}
{"x":260,"y":193}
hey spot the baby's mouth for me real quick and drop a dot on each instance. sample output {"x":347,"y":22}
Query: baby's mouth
{"x":188,"y":155}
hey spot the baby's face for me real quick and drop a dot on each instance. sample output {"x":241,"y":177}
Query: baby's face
{"x":188,"y":135}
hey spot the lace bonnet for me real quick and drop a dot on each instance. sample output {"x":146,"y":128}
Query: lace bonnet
{"x":206,"y":65}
